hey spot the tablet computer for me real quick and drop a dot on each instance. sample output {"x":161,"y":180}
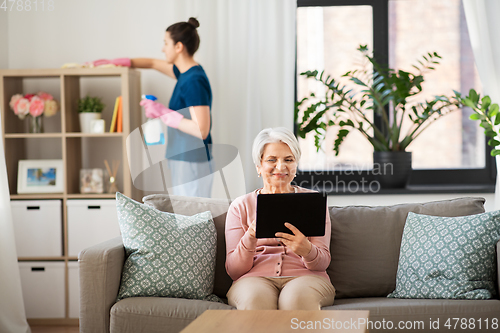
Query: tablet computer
{"x":306,"y":211}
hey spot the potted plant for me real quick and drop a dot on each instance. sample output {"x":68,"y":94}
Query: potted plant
{"x":385,"y":93}
{"x":89,"y":108}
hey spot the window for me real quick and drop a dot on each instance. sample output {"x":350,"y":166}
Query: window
{"x":328,"y":38}
{"x":453,"y":149}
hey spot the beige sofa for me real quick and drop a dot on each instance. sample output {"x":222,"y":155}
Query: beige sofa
{"x":364,"y":249}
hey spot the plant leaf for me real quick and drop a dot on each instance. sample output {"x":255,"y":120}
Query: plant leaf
{"x":358,"y":81}
{"x":490,"y":133}
{"x":493,"y":110}
{"x":493,"y":142}
{"x":338,"y":141}
{"x":475,"y":116}
{"x":485,"y":103}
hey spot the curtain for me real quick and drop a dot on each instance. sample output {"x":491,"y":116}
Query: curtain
{"x":12,"y":315}
{"x":248,"y":51}
{"x":484,"y":29}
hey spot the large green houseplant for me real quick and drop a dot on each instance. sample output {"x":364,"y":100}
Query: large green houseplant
{"x":384,"y":92}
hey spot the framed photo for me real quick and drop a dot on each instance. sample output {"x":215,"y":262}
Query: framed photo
{"x":91,"y":181}
{"x":40,"y":176}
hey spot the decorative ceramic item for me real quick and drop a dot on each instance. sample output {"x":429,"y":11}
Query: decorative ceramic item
{"x":97,"y":126}
{"x":91,"y":181}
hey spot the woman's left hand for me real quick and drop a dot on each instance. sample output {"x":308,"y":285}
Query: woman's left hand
{"x":297,"y":242}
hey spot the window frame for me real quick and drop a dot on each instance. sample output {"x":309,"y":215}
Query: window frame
{"x":422,"y":180}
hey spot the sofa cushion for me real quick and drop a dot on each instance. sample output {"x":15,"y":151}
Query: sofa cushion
{"x":365,"y":243}
{"x":190,"y":206}
{"x":158,"y":314}
{"x":168,"y":254}
{"x":448,"y":257}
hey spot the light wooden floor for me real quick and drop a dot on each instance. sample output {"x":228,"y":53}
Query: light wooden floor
{"x":54,"y":329}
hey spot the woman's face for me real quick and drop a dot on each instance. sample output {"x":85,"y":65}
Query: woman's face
{"x":169,"y":48}
{"x":278,"y":165}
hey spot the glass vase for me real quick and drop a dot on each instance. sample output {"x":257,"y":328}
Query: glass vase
{"x":36,"y":124}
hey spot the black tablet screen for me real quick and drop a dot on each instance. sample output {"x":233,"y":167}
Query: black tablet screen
{"x":306,"y":211}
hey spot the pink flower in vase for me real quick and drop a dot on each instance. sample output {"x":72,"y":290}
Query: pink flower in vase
{"x":37,"y":106}
{"x":45,"y":96}
{"x":22,"y":107}
{"x":51,"y":108}
{"x":29,"y":96}
{"x":13,"y":100}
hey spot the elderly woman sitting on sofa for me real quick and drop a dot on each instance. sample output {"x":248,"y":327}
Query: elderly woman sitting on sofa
{"x":287,"y":272}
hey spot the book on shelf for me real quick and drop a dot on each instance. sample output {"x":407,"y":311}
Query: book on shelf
{"x":112,"y":128}
{"x":119,"y":117}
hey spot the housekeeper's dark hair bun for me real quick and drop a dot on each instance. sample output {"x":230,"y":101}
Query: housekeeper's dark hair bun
{"x":186,"y":33}
{"x":194,"y":22}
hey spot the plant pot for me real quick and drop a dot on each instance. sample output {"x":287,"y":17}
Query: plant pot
{"x":392,"y":169}
{"x":85,"y":120}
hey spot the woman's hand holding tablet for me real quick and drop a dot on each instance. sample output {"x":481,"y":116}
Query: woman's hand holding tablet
{"x":297,"y":242}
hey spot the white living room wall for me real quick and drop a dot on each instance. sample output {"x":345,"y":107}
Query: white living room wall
{"x":80,"y":31}
{"x":251,"y":76}
{"x":4,"y":61}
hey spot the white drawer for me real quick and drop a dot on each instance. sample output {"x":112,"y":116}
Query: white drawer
{"x":43,"y":288}
{"x":74,"y":289}
{"x":90,"y":222}
{"x":37,"y":227}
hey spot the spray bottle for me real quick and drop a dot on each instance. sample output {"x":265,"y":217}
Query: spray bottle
{"x":153,"y":133}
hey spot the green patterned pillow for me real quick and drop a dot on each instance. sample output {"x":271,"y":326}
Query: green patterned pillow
{"x":448,"y":257}
{"x":167,"y":254}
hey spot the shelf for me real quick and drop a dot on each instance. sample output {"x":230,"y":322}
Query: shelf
{"x":41,"y":258}
{"x":57,"y":72}
{"x":92,"y":196}
{"x":63,"y":140}
{"x":41,"y":196}
{"x":93,"y":135}
{"x":61,"y":135}
{"x":33,"y":135}
{"x":36,"y":196}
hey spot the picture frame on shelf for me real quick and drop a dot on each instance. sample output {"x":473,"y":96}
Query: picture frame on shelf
{"x":40,"y":176}
{"x":91,"y":181}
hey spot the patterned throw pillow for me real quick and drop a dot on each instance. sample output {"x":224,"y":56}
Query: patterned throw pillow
{"x":448,"y":257}
{"x":167,"y":254}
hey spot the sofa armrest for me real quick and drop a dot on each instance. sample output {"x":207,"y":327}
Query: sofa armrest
{"x":100,"y":272}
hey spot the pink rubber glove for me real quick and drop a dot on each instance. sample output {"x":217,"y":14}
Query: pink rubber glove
{"x":124,"y":62}
{"x":153,"y":109}
{"x":172,"y":119}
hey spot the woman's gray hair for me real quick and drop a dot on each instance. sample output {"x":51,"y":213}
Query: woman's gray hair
{"x":271,"y":135}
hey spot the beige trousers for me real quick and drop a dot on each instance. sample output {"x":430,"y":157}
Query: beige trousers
{"x":308,"y":292}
